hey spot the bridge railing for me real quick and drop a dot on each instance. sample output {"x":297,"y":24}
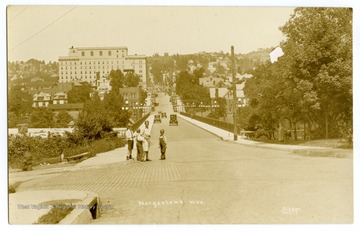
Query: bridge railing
{"x":214,"y":122}
{"x":140,"y":121}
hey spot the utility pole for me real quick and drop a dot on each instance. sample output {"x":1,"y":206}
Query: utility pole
{"x":233,"y":66}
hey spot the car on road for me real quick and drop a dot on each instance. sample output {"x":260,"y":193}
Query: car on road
{"x":163,"y":115}
{"x":157,"y":119}
{"x":173,"y":120}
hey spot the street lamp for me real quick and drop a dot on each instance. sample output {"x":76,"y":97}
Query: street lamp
{"x":126,"y":105}
{"x":201,"y":108}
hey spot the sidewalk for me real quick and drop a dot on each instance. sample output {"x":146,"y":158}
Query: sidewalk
{"x":111,"y":157}
{"x":30,"y":202}
{"x":307,"y":150}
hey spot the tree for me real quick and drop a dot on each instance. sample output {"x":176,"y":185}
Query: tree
{"x":93,"y":123}
{"x":131,"y":79}
{"x":199,"y":72}
{"x":188,"y":88}
{"x":160,"y":66}
{"x":19,"y":102}
{"x":63,"y":119}
{"x":112,"y":105}
{"x":117,"y":80}
{"x":42,"y":118}
{"x":13,"y":120}
{"x":318,"y":50}
{"x":79,"y":94}
{"x":312,"y":83}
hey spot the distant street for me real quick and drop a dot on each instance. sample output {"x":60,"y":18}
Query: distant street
{"x":207,"y":180}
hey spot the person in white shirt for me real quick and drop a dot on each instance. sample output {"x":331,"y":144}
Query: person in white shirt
{"x":130,"y":141}
{"x":146,"y":144}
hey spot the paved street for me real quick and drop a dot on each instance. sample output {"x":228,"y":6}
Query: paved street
{"x":207,"y":180}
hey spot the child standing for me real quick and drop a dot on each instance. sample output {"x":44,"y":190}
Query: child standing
{"x":162,"y":144}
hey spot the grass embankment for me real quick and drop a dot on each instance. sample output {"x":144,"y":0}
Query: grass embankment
{"x":326,"y":143}
{"x":56,"y":214}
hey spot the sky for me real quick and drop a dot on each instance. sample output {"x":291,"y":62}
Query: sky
{"x":46,"y":32}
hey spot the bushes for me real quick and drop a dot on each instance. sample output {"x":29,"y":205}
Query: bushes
{"x":42,"y":150}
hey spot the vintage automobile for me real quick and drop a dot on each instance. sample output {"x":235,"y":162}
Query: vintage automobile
{"x":163,"y":115}
{"x":157,"y":119}
{"x":173,"y":120}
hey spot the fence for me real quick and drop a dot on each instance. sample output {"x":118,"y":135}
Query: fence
{"x":214,"y":122}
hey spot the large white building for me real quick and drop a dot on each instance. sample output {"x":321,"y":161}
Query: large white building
{"x":88,"y":63}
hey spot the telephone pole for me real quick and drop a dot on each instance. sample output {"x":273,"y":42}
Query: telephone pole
{"x":233,"y":67}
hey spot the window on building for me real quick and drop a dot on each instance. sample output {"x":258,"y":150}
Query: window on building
{"x":109,"y":53}
{"x":91,"y":53}
{"x":83,"y":53}
{"x":100,"y":53}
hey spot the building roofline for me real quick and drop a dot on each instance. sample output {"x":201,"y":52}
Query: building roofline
{"x":66,"y":106}
{"x":66,"y":58}
{"x":100,"y":48}
{"x":136,"y":56}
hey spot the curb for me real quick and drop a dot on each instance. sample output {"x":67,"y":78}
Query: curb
{"x":26,"y":207}
{"x":305,"y":151}
{"x":85,"y":211}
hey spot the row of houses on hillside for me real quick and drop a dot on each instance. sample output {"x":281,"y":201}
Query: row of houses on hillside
{"x":223,"y":88}
{"x":57,"y":103}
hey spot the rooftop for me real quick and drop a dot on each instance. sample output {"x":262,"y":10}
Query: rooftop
{"x":66,"y":106}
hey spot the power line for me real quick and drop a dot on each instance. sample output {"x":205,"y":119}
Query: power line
{"x":47,"y":26}
{"x":17,"y":14}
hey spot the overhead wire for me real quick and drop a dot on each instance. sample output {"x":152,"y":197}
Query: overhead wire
{"x":47,"y":26}
{"x":22,"y":10}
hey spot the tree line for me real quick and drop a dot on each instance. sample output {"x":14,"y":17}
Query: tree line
{"x":310,"y":86}
{"x":97,"y":118}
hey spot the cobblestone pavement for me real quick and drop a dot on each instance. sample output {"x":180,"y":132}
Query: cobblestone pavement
{"x":208,"y":181}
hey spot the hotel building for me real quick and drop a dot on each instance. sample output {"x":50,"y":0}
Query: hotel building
{"x":92,"y":63}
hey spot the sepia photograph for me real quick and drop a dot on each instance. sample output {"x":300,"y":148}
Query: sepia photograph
{"x":179,"y":114}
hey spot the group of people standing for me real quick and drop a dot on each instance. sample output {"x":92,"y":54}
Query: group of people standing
{"x":141,"y":138}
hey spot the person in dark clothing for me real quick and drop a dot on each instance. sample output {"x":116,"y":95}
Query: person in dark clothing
{"x":162,"y":144}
